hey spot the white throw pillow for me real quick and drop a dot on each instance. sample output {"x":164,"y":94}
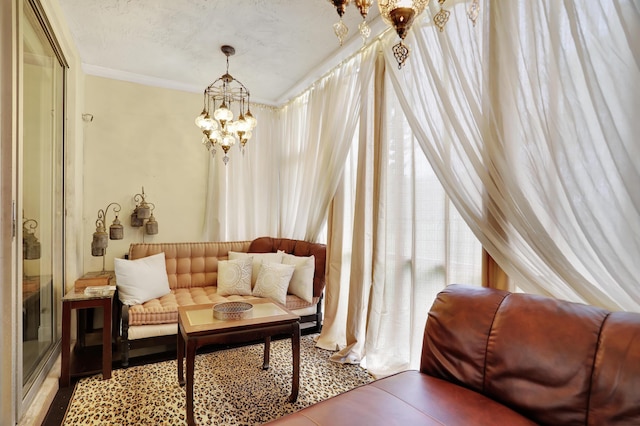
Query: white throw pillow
{"x":258,"y":259}
{"x":234,"y":277}
{"x":302,"y":280}
{"x":142,"y":279}
{"x":273,"y":281}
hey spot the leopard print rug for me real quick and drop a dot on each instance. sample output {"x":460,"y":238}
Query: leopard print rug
{"x":230,"y":388}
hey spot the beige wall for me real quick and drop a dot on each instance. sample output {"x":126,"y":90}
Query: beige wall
{"x":142,"y":136}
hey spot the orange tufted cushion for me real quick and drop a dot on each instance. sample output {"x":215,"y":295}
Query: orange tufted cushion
{"x":190,"y":264}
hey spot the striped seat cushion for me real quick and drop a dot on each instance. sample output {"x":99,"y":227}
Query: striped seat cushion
{"x":164,"y":310}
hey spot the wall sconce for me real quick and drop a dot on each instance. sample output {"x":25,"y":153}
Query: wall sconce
{"x":144,"y":212}
{"x":100,"y":237}
{"x":31,"y":247}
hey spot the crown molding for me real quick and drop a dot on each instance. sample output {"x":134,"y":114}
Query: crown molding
{"x":146,"y":80}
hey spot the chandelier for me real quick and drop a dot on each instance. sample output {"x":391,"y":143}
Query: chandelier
{"x":399,"y":14}
{"x":219,"y":99}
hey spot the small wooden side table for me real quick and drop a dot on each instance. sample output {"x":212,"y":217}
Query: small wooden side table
{"x":86,"y":316}
{"x":75,"y":300}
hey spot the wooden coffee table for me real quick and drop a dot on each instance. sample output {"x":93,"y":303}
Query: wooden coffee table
{"x":197,"y":327}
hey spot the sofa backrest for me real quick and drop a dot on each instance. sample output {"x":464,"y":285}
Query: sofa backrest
{"x":195,"y":264}
{"x":555,"y":362}
{"x":190,"y":264}
{"x":297,"y":248}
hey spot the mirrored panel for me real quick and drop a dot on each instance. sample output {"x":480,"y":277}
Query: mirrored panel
{"x":41,"y":184}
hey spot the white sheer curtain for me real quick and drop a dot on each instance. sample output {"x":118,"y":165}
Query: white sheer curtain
{"x":538,"y":103}
{"x":317,"y":129}
{"x":405,"y":243}
{"x":242,"y":197}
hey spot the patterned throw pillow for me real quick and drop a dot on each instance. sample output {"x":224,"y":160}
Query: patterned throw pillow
{"x":258,"y":260}
{"x":273,"y":281}
{"x":234,"y":277}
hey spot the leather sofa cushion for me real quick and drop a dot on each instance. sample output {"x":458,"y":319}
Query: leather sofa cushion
{"x":407,"y":398}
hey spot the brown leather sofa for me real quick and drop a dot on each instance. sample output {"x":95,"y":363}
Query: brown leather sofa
{"x":192,"y":270}
{"x":491,"y":357}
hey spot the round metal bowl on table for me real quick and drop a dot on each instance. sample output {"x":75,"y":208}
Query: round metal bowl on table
{"x":232,"y":310}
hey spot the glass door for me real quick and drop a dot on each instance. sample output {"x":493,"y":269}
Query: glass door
{"x":41,"y":186}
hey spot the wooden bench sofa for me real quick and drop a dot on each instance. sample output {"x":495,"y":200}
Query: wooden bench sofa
{"x":192,"y":272}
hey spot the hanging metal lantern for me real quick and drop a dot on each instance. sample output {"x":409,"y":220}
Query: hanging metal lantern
{"x":116,"y":230}
{"x":31,"y":247}
{"x":151,"y":227}
{"x":136,"y":221}
{"x":100,"y":237}
{"x":96,"y":251}
{"x":144,"y":210}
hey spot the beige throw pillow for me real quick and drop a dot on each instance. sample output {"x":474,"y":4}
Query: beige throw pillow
{"x":234,"y":277}
{"x":302,"y":280}
{"x":273,"y":281}
{"x":258,"y":259}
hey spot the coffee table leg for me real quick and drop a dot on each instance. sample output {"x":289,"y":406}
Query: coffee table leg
{"x":180,"y":357}
{"x":191,"y":355}
{"x":267,"y":352}
{"x":295,"y":349}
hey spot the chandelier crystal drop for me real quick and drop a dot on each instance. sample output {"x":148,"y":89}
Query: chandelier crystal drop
{"x":474,"y":11}
{"x":220,"y":98}
{"x":363,"y":6}
{"x":441,"y":18}
{"x":341,"y":29}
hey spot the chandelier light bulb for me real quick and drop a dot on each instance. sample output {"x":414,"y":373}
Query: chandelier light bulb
{"x":251,"y":120}
{"x":200,"y":119}
{"x":209,"y":124}
{"x":242,"y":125}
{"x":216,"y":135}
{"x":228,"y":140}
{"x":223,"y":113}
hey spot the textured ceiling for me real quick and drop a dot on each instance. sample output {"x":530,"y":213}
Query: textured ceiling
{"x":281,"y":45}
